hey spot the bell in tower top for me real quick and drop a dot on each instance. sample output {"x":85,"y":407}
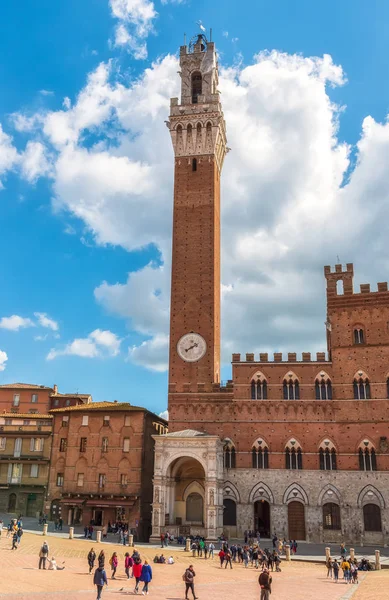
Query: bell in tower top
{"x":198,"y":43}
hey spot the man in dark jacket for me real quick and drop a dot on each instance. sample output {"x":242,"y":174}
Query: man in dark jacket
{"x":265,"y":583}
{"x":15,"y":541}
{"x":100,"y":579}
{"x":189,"y":582}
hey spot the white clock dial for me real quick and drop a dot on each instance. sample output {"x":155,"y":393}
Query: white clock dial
{"x":191,"y":347}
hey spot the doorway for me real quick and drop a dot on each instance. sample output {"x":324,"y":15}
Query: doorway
{"x":194,"y":508}
{"x":262,"y":518}
{"x":12,"y":503}
{"x":98,"y":517}
{"x":31,"y":505}
{"x":296,"y":521}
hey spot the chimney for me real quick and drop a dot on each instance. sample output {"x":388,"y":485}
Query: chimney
{"x":55,"y":389}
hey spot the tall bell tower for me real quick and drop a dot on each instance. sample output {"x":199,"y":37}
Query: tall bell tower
{"x":198,"y":135}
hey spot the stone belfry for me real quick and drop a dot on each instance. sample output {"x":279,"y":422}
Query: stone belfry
{"x":198,"y":135}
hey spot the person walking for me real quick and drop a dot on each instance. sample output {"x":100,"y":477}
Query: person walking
{"x":100,"y":580}
{"x":137,"y":572}
{"x":43,"y":554}
{"x":60,"y":523}
{"x":146,"y":576}
{"x":113,"y":561}
{"x":128,"y":564}
{"x":101,"y":559}
{"x":221,"y":557}
{"x":91,"y":559}
{"x":188,"y":577}
{"x":211,"y":548}
{"x":15,"y":541}
{"x":335,"y":568}
{"x":265,"y":581}
{"x":329,"y":567}
{"x":228,"y":559}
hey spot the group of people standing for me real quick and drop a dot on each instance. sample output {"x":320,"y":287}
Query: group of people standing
{"x":133,"y":568}
{"x":254,"y":555}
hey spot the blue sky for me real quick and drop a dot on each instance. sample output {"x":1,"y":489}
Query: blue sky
{"x":55,"y":256}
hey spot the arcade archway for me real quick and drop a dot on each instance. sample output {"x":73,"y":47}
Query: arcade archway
{"x":262,"y":518}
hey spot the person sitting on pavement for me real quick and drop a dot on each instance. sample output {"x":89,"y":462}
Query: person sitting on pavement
{"x":53,"y":565}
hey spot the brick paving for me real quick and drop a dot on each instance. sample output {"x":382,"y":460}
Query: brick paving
{"x":21,"y":579}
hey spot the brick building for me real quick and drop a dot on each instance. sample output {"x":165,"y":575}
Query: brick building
{"x":290,"y":444}
{"x":31,"y":398}
{"x":25,"y":445}
{"x":102,"y":465}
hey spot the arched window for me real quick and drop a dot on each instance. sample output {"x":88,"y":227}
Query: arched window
{"x":197,"y":86}
{"x":291,"y":387}
{"x":372,"y":517}
{"x":260,"y":455}
{"x":359,"y":336}
{"x":194,"y":164}
{"x":293,"y":456}
{"x":258,"y":387}
{"x":323,"y":387}
{"x":361,"y":386}
{"x":229,"y":455}
{"x":327,"y":456}
{"x":331,"y":516}
{"x":367,"y":457}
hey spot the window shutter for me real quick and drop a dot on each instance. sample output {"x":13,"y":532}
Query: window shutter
{"x":32,"y":444}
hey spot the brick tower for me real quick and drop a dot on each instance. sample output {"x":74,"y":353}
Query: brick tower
{"x":197,"y":130}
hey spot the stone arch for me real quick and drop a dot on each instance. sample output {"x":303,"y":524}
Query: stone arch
{"x":295,"y":492}
{"x":261,"y":491}
{"x":258,"y":439}
{"x":325,"y":495}
{"x":325,"y":443}
{"x":322,"y":375}
{"x":364,"y":443}
{"x":193,"y":488}
{"x":361,"y":374}
{"x":370,"y":495}
{"x":124,"y":465}
{"x":232,"y":492}
{"x":289,"y":443}
{"x":290,"y":376}
{"x":258,"y":375}
{"x":178,"y":454}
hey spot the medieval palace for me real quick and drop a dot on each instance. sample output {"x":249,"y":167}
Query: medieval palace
{"x":299,"y":447}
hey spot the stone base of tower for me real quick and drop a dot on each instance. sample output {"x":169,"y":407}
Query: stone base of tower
{"x":188,"y":485}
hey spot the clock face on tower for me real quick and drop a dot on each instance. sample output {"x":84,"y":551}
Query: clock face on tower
{"x":191,"y":347}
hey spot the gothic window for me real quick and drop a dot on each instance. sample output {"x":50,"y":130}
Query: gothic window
{"x":291,"y":387}
{"x":367,"y":457}
{"x":331,"y":516}
{"x":194,"y":164}
{"x":229,"y":456}
{"x":361,"y":386}
{"x":293,"y":456}
{"x":197,"y":86}
{"x":260,"y":455}
{"x":359,"y":336}
{"x":258,"y":387}
{"x":327,"y":456}
{"x":372,"y":517}
{"x":323,"y":387}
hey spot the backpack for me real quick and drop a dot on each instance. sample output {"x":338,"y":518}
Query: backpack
{"x":184,"y":577}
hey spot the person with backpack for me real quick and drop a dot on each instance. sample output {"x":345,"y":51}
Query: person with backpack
{"x":188,"y":577}
{"x":113,"y":561}
{"x":335,"y":568}
{"x":146,"y":576}
{"x":137,"y":572}
{"x":265,"y":581}
{"x":19,"y":533}
{"x":100,"y":580}
{"x":43,"y":554}
{"x":15,"y":541}
{"x":91,"y":559}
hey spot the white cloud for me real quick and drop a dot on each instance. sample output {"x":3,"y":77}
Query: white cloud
{"x":45,"y":321}
{"x":234,"y":40}
{"x":225,"y":34}
{"x":8,"y":153}
{"x":151,"y":354}
{"x":15,"y":322}
{"x":3,"y":360}
{"x":41,"y":338}
{"x":98,"y":344}
{"x":164,"y":415}
{"x":135,"y":24}
{"x":66,"y":103}
{"x":34,"y":162}
{"x":46,"y":92}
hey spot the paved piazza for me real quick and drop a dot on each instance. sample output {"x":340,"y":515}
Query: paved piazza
{"x":22,"y":580}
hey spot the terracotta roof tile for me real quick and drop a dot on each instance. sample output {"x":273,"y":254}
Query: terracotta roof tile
{"x":104,"y":406}
{"x":70,"y":395}
{"x":9,"y":415}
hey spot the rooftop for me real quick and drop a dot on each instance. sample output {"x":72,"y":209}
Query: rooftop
{"x":105,"y":407}
{"x":31,"y":416}
{"x":187,"y":433}
{"x":25,"y":386}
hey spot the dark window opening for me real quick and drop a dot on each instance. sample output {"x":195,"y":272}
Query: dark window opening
{"x":293,"y":459}
{"x":361,"y":389}
{"x":229,"y":457}
{"x":323,"y":390}
{"x":367,"y":459}
{"x":194,"y":164}
{"x":359,"y":336}
{"x":331,"y":516}
{"x":197,"y":86}
{"x":291,"y":390}
{"x":372,"y":517}
{"x":327,"y":459}
{"x":260,"y":458}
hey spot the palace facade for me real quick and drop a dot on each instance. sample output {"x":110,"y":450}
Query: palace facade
{"x":295,"y":445}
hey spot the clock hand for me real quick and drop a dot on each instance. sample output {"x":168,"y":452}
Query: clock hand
{"x":191,"y":347}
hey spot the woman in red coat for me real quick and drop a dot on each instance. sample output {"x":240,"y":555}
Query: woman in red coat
{"x":137,"y":571}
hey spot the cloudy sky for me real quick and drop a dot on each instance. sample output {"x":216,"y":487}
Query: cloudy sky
{"x":86,"y":172}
